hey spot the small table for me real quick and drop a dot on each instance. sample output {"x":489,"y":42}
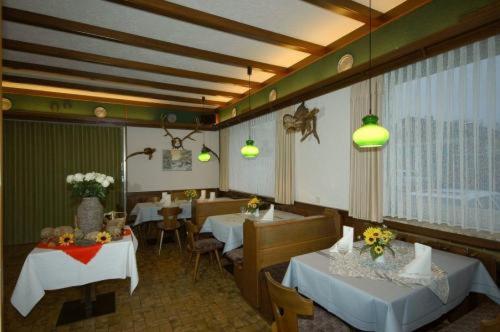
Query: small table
{"x":381,"y":305}
{"x":50,"y":269}
{"x":228,"y":228}
{"x":145,"y":212}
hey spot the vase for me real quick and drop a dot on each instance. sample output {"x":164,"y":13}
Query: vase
{"x":380,"y":260}
{"x":90,"y":215}
{"x":255,"y":213}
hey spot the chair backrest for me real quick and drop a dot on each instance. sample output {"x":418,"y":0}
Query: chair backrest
{"x":287,"y":304}
{"x":170,"y":217}
{"x":191,"y":231}
{"x":491,"y":325}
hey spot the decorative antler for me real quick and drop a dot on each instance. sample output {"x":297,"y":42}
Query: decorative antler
{"x":177,"y":141}
{"x":163,"y":118}
{"x":194,"y":131}
{"x":147,"y":151}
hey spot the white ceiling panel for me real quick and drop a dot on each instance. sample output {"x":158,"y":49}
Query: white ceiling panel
{"x":381,"y":5}
{"x":97,"y":83}
{"x":122,"y":18}
{"x":294,"y":18}
{"x":116,"y":71}
{"x":53,"y":38}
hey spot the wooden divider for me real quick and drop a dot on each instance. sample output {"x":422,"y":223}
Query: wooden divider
{"x":206,"y":208}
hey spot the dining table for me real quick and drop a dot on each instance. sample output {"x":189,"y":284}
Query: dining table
{"x":373,"y":297}
{"x":148,"y":211}
{"x":47,"y":268}
{"x":228,"y":228}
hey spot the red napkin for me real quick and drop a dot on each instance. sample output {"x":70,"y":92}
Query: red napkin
{"x":127,"y":231}
{"x":80,"y":253}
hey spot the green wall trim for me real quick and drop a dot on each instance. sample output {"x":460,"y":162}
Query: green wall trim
{"x":431,"y":18}
{"x":21,"y":103}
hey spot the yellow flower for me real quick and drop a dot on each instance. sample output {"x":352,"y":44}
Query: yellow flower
{"x":103,"y":237}
{"x":374,"y":232}
{"x":369,"y":240}
{"x":388,"y":234}
{"x":66,"y":239}
{"x":378,"y":250}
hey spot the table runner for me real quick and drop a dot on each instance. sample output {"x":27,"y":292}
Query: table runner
{"x":381,"y":305}
{"x":46,"y":269}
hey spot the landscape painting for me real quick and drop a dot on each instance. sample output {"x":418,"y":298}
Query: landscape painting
{"x":177,"y":160}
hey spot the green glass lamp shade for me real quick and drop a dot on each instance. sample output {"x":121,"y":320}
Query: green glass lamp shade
{"x":204,"y":156}
{"x":250,"y":151}
{"x":370,"y":134}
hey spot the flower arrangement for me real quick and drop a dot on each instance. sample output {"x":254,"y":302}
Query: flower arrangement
{"x":378,"y":240}
{"x":103,"y":237}
{"x":253,"y":204}
{"x":66,"y":239}
{"x":191,"y":194}
{"x":90,"y":184}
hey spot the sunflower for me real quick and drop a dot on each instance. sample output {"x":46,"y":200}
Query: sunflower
{"x":378,"y":250}
{"x":103,"y":237}
{"x":370,"y":240}
{"x":374,"y":232}
{"x":66,"y":239}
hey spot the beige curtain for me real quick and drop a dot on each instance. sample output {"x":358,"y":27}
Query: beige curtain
{"x":365,"y":180}
{"x":224,"y":159}
{"x":285,"y":161}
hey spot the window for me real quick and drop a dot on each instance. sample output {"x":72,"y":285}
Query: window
{"x":253,"y":175}
{"x":443,"y":163}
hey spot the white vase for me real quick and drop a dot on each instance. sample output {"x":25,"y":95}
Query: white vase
{"x":380,"y":259}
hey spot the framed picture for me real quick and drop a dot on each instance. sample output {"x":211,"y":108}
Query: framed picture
{"x":177,"y":160}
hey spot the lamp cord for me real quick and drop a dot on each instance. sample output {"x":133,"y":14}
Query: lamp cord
{"x":370,"y":60}
{"x":249,"y":72}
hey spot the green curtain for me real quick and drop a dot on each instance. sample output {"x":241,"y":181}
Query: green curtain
{"x":37,"y":158}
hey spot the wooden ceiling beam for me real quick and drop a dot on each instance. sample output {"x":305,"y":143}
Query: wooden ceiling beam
{"x":55,"y":23}
{"x":349,"y":8}
{"x":27,"y":80}
{"x":215,"y":22}
{"x":119,"y":79}
{"x":122,"y":63}
{"x":76,"y":96}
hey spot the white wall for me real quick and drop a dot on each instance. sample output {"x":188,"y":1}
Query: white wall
{"x":322,"y":170}
{"x":147,"y":175}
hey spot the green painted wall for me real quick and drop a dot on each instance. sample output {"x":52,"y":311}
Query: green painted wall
{"x":436,"y":16}
{"x":22,"y":103}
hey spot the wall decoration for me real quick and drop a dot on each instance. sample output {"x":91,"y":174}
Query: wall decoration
{"x":177,"y":141}
{"x":273,"y":94}
{"x":345,"y":63}
{"x":147,"y":151}
{"x":234,"y":112}
{"x":303,"y":120}
{"x":100,"y":112}
{"x":177,"y":160}
{"x":6,"y":104}
{"x":171,"y":118}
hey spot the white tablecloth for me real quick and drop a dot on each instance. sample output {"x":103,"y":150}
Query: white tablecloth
{"x":228,"y":228}
{"x":47,"y":269}
{"x":381,"y":305}
{"x":149,"y":211}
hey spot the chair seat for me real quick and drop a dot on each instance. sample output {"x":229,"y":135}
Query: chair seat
{"x":161,"y":225}
{"x":472,"y":320}
{"x":322,"y":321}
{"x":236,"y":256}
{"x":206,"y":245}
{"x":277,"y":271}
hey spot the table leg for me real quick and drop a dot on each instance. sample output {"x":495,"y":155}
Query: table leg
{"x":91,"y":305}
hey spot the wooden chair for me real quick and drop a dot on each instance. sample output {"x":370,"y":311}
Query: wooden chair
{"x":169,"y":223}
{"x":288,"y":305}
{"x":199,"y":247}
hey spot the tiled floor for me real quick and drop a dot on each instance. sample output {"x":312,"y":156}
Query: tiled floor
{"x":165,"y":300}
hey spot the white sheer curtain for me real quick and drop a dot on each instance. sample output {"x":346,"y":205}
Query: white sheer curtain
{"x":256,"y":175}
{"x":442,"y":164}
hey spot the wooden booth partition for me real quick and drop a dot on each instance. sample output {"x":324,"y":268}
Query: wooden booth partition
{"x":206,"y":208}
{"x":266,"y":244}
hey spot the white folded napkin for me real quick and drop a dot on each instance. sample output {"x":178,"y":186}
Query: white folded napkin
{"x":203,"y":194}
{"x":166,"y":199}
{"x":420,"y":266}
{"x":212,"y":195}
{"x":347,"y":236}
{"x":269,"y":215}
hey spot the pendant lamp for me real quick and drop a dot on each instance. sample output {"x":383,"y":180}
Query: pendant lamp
{"x":370,"y":134}
{"x":249,"y":151}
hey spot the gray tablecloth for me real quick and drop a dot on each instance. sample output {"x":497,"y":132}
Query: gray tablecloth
{"x":228,"y":228}
{"x":145,"y":212}
{"x":380,"y":305}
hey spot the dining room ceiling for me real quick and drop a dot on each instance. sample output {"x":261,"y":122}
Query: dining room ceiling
{"x":175,"y":52}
